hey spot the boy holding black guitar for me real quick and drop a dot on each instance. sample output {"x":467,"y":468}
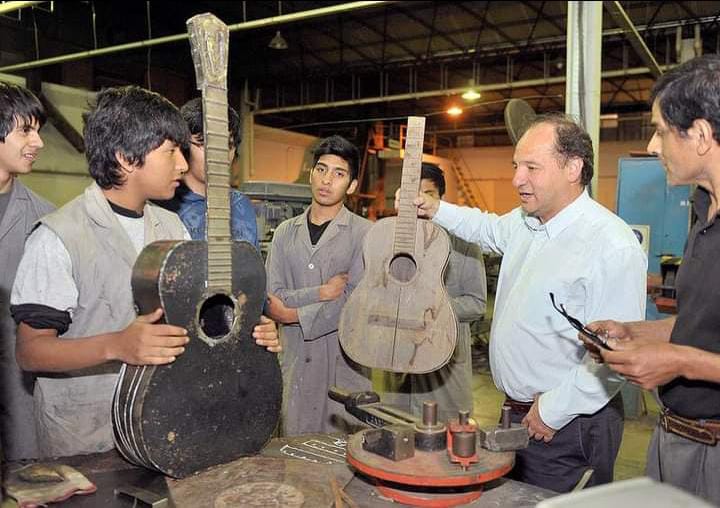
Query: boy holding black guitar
{"x":72,"y":297}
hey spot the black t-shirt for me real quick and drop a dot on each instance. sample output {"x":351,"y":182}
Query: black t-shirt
{"x":315,"y":230}
{"x":698,"y":316}
{"x":4,"y":200}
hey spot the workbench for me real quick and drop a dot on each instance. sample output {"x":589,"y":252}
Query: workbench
{"x":283,"y":461}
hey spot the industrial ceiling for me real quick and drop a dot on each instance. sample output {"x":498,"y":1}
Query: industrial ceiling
{"x":350,"y":64}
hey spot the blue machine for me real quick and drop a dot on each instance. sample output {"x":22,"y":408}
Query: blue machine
{"x":645,"y":198}
{"x":647,"y":202}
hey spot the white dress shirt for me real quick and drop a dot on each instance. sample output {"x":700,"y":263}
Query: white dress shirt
{"x":593,"y":264}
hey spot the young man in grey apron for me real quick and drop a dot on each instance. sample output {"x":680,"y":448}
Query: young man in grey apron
{"x":21,"y":118}
{"x":315,"y":260}
{"x":72,"y":297}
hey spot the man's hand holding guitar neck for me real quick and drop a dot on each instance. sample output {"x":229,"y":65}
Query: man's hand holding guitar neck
{"x":427,"y":206}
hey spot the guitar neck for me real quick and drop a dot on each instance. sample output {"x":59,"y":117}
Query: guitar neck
{"x":405,"y":227}
{"x":217,"y":231}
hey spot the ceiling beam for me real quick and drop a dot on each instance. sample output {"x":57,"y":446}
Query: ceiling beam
{"x":249,"y":25}
{"x":6,"y":7}
{"x":495,"y":87}
{"x":636,"y":41}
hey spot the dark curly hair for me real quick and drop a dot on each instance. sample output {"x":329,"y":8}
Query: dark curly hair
{"x":689,"y":92}
{"x":338,"y":145}
{"x":192,"y":113}
{"x":132,"y":122}
{"x":18,"y":104}
{"x":433,"y":172}
{"x":571,"y":141}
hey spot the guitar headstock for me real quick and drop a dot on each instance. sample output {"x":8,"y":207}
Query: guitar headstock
{"x":209,"y":40}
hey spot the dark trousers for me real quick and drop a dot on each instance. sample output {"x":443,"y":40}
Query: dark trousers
{"x":589,"y":441}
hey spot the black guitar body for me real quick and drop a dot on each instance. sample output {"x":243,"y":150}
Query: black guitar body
{"x":221,"y":398}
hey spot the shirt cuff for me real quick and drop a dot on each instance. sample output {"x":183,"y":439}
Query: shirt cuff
{"x":444,"y":214}
{"x":554,"y":419}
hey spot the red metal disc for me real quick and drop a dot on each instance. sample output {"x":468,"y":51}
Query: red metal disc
{"x":431,"y":501}
{"x":431,"y":469}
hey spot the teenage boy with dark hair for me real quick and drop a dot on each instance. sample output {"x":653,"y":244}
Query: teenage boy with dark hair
{"x":189,"y":200}
{"x":315,"y":260}
{"x":21,"y":118}
{"x":72,"y":297}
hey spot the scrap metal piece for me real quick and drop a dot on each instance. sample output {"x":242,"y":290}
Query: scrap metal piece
{"x":430,"y":435}
{"x":142,"y":497}
{"x":366,"y":407}
{"x":507,"y":437}
{"x":395,"y":442}
{"x":462,"y":440}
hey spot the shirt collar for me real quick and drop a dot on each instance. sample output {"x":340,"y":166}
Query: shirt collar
{"x":342,"y":218}
{"x":186,"y":195}
{"x":563,"y":219}
{"x":701,"y":204}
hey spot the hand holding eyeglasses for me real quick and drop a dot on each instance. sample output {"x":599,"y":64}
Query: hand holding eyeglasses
{"x":597,"y":336}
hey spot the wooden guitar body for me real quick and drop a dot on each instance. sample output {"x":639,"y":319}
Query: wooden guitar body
{"x":399,"y":317}
{"x":221,"y":398}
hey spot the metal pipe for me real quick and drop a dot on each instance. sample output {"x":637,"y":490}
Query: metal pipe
{"x":249,"y":25}
{"x":528,"y":83}
{"x":638,"y":43}
{"x":15,"y":6}
{"x":544,"y":43}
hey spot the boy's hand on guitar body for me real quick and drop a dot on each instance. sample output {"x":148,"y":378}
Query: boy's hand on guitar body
{"x":333,"y":288}
{"x":146,"y":343}
{"x":266,"y":335}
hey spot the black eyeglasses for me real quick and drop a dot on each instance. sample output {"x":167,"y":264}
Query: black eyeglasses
{"x":575,"y":323}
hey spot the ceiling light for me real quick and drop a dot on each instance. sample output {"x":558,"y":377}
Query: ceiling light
{"x":454,"y":111}
{"x":278,"y":42}
{"x":471,"y":95}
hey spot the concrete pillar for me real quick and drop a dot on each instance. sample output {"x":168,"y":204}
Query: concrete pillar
{"x":583,"y":86}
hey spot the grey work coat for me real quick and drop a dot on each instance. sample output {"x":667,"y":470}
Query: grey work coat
{"x":17,"y":429}
{"x":73,"y":411}
{"x":312,"y":359}
{"x":451,"y":385}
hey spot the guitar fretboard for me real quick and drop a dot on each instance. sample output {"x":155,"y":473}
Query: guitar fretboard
{"x":215,"y":108}
{"x":405,"y":227}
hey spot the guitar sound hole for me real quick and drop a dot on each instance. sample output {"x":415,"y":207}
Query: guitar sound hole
{"x":403,"y":267}
{"x":216,"y":316}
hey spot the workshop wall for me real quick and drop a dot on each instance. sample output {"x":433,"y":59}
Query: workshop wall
{"x":280,"y":155}
{"x":491,"y":172}
{"x":60,"y":171}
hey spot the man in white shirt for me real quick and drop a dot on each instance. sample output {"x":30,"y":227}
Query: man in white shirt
{"x":562,"y":242}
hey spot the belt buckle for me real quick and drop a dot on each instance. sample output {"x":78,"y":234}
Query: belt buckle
{"x":702,"y":435}
{"x":664,"y":420}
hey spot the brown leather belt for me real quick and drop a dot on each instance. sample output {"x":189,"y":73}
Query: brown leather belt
{"x":516,"y":405}
{"x":701,"y":431}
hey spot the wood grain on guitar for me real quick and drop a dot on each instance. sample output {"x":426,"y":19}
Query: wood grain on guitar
{"x":221,"y":398}
{"x":399,"y":316}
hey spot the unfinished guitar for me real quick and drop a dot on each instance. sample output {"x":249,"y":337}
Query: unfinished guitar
{"x":221,"y":398}
{"x":399,"y":316}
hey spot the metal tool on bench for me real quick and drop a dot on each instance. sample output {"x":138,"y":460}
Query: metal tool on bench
{"x":506,"y":436}
{"x":421,"y":462}
{"x":428,"y":433}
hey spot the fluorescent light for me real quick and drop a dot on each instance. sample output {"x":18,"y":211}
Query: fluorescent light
{"x":471,"y":95}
